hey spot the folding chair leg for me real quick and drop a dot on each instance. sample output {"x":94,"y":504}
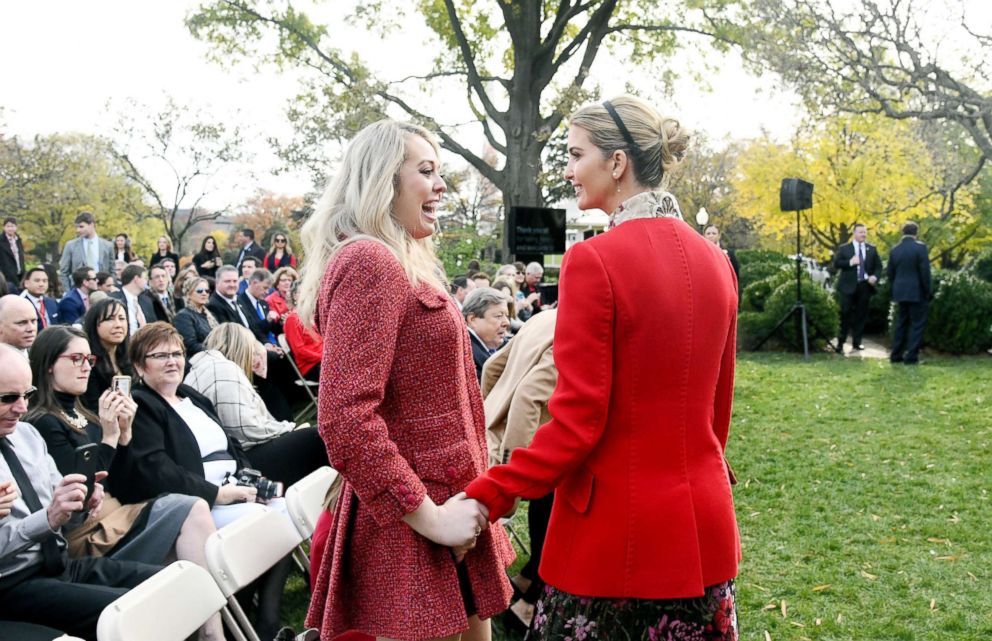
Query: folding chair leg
{"x":232,"y":625}
{"x":245,"y":626}
{"x":516,"y":537}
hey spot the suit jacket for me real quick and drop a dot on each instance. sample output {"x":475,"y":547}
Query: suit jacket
{"x":258,"y":326}
{"x":71,"y":307}
{"x":166,"y":314}
{"x":252,"y":250}
{"x":51,"y":309}
{"x":847,"y":279}
{"x":194,"y":328}
{"x":645,"y":347}
{"x":151,"y":306}
{"x":165,"y":456}
{"x":909,"y":271}
{"x":12,"y":267}
{"x":402,"y":420}
{"x":74,"y":257}
{"x":516,"y":385}
{"x":480,"y":354}
{"x":222,"y":310}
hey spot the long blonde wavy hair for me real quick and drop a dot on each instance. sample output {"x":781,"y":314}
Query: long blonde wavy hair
{"x":357,"y":205}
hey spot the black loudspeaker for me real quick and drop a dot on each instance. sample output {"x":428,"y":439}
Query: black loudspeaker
{"x":796,"y":195}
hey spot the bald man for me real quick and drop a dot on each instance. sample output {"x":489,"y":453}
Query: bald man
{"x":18,"y":322}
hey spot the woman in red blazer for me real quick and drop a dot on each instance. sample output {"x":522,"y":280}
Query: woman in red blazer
{"x":399,"y":406}
{"x":643,"y":541}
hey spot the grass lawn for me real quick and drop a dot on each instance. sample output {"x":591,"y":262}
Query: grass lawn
{"x":863,"y":499}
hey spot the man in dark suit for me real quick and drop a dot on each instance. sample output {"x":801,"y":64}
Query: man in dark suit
{"x":11,"y":255}
{"x":488,"y":319}
{"x":158,"y":290}
{"x":912,"y":287}
{"x":859,"y":267}
{"x":74,"y":304}
{"x":35,"y":288}
{"x":246,"y":237}
{"x":223,"y":303}
{"x":141,"y":307}
{"x":263,"y":322}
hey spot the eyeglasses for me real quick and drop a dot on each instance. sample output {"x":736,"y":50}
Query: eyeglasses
{"x":163,"y":357}
{"x":200,"y":291}
{"x":77,"y":359}
{"x":9,"y":398}
{"x":280,"y":240}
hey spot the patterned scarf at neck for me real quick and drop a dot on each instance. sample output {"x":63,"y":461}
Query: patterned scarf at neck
{"x":647,"y":204}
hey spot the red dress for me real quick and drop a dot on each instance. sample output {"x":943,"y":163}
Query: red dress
{"x":307,"y":347}
{"x":401,"y":414}
{"x":645,"y":350}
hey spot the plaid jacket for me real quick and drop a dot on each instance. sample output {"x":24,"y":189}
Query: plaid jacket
{"x":242,"y":411}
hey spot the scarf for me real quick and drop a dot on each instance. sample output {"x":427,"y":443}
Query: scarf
{"x":647,"y":204}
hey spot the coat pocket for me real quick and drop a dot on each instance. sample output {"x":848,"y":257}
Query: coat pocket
{"x":430,"y":297}
{"x":445,"y":471}
{"x":576,"y":489}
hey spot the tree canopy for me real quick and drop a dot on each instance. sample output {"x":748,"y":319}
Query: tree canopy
{"x":522,"y":66}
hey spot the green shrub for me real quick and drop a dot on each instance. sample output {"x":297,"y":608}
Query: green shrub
{"x":878,"y":309}
{"x":981,"y":266}
{"x":821,"y":309}
{"x":753,"y":272}
{"x":747,"y":256}
{"x":960,"y":319}
{"x":754,"y":295}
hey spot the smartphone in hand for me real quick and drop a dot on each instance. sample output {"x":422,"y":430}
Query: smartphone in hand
{"x":122,"y":383}
{"x":86,"y":463}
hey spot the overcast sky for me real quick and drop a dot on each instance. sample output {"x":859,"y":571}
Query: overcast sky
{"x":62,"y":60}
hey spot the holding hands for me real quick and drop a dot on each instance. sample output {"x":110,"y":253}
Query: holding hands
{"x":456,"y":524}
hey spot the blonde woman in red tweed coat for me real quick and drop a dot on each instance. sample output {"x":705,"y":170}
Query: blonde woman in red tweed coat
{"x":409,"y":557}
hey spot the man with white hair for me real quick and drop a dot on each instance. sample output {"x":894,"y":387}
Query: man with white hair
{"x":18,"y":323}
{"x":531,"y":288}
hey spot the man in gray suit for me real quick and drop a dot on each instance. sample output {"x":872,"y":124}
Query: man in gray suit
{"x":87,"y":250}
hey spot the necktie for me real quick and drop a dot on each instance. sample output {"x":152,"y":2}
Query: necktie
{"x":167,"y":304}
{"x":241,"y":314}
{"x":261,"y":316}
{"x":86,"y":300}
{"x":139,"y":316}
{"x":52,"y":560}
{"x":41,"y":313}
{"x":91,"y":253}
{"x":861,"y":261}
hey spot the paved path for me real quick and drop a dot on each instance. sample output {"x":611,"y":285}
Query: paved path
{"x":873,"y":349}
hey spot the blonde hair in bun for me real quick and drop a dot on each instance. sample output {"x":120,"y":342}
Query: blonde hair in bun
{"x":661,"y":142}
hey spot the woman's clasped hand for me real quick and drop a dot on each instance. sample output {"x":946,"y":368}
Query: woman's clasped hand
{"x":456,"y":524}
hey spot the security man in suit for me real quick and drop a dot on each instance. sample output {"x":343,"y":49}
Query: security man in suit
{"x":859,"y":267}
{"x":11,"y":255}
{"x":912,"y":288}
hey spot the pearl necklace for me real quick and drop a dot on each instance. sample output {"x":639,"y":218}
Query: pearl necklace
{"x":75,"y":421}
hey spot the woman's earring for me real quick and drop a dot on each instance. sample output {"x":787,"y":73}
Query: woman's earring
{"x":618,"y":186}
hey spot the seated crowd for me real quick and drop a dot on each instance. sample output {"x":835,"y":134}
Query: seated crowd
{"x":174,"y":380}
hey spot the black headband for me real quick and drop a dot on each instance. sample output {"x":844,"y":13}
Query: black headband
{"x":622,"y":127}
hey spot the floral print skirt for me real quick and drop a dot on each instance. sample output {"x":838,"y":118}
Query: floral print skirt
{"x":561,"y":616}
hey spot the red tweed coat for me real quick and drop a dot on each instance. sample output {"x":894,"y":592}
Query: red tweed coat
{"x":645,"y":348}
{"x":401,"y":414}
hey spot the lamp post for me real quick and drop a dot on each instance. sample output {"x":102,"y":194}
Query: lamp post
{"x":702,"y":217}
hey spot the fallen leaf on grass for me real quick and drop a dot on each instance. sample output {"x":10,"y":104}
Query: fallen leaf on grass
{"x":818,"y":621}
{"x":768,"y":637}
{"x":868,"y":575}
{"x":973,"y":577}
{"x":770,"y":606}
{"x":840,"y":618}
{"x":934,"y":539}
{"x":933,"y":604}
{"x":821,"y":587}
{"x":797,"y":624}
{"x":952,"y":557}
{"x":785,"y":611}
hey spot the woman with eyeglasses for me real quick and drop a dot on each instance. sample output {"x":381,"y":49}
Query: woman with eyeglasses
{"x":194,"y":321}
{"x":105,"y":325}
{"x":280,"y":254}
{"x":208,"y":259}
{"x":154,"y":531}
{"x":278,"y":300}
{"x":180,"y":446}
{"x":163,"y":251}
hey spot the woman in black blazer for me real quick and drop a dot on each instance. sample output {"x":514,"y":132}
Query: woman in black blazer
{"x":195,"y":321}
{"x":173,"y":424}
{"x":164,"y":252}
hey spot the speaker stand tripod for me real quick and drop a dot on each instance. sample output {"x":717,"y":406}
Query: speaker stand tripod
{"x":798,"y":309}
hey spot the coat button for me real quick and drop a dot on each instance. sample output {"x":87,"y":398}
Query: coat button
{"x":411,"y":499}
{"x":451,"y":472}
{"x":402,"y":489}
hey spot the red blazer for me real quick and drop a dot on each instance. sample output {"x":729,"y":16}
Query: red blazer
{"x":401,"y":413}
{"x":644,"y":346}
{"x":307,"y":346}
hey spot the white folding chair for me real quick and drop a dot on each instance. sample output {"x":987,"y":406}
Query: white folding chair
{"x":301,"y":381}
{"x":304,"y":502}
{"x":243,"y":551}
{"x":170,"y":606}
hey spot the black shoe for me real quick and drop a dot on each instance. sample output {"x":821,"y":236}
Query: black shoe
{"x":912,"y":362}
{"x":859,"y":347}
{"x":895,"y":359}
